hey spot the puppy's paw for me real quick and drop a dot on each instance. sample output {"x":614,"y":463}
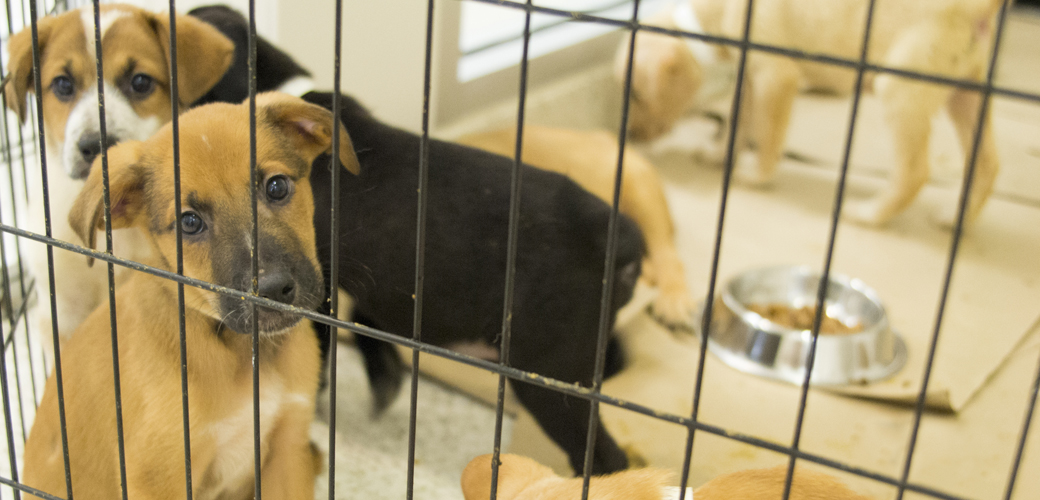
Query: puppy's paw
{"x":674,"y":310}
{"x":864,"y":212}
{"x":946,"y":218}
{"x":753,"y":178}
{"x":712,"y":153}
{"x":748,"y":172}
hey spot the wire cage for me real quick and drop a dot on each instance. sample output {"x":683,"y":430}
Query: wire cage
{"x":23,"y":367}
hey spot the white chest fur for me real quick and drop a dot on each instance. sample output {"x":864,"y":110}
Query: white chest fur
{"x":233,"y":466}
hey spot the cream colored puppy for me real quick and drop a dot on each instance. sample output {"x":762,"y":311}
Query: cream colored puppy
{"x":590,"y":159}
{"x":950,"y":38}
{"x":520,"y":478}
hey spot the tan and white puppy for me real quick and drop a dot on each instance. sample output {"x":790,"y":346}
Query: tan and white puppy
{"x":216,"y":222}
{"x":590,"y":159}
{"x":135,"y":53}
{"x":949,"y":38}
{"x":520,"y":478}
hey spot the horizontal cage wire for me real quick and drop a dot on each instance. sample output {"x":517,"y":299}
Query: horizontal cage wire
{"x":23,"y":374}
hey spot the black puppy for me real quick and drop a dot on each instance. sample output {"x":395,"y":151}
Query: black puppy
{"x":559,"y":265}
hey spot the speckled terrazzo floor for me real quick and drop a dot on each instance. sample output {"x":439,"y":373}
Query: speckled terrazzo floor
{"x":372,"y":454}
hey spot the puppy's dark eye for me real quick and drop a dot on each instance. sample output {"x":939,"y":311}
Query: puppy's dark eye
{"x":142,"y":85}
{"x":278,"y":188}
{"x":63,"y":87}
{"x":191,"y":223}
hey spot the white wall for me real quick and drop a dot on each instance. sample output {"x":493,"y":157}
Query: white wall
{"x":265,"y":10}
{"x":383,"y":51}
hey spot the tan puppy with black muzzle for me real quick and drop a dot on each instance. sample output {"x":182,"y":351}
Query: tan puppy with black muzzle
{"x":948,"y":38}
{"x":589,"y":157}
{"x":216,"y":222}
{"x":520,"y":478}
{"x":135,"y":51}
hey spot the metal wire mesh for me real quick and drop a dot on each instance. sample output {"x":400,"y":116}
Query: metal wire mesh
{"x":591,"y":394}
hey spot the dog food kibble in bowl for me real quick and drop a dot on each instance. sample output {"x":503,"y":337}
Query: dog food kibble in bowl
{"x":801,"y":318}
{"x":762,"y":318}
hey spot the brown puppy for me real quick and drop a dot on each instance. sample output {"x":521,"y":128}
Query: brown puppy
{"x":520,"y":478}
{"x":590,"y":159}
{"x":135,"y":50}
{"x":950,"y":38}
{"x":217,"y":227}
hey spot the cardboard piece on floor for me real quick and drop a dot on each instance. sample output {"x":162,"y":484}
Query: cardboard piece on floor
{"x":994,"y":296}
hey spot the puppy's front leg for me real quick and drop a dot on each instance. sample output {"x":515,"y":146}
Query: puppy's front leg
{"x":773,"y":86}
{"x":289,"y":471}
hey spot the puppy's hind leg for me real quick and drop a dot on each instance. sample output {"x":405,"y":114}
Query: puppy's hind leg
{"x":565,"y":418}
{"x":384,"y":368}
{"x":964,"y":110}
{"x":938,"y":46}
{"x":773,"y":86}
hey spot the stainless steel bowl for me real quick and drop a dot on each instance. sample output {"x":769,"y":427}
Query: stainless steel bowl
{"x":753,"y":344}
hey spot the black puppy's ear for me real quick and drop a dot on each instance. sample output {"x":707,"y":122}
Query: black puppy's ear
{"x":308,"y":126}
{"x":126,"y":194}
{"x":19,"y":79}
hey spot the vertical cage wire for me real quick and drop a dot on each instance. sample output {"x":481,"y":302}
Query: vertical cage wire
{"x":8,"y":302}
{"x":254,"y":253}
{"x":1020,"y":450}
{"x":8,"y":342}
{"x":334,"y":247}
{"x":512,"y":242}
{"x":179,"y":235}
{"x":821,"y":294}
{"x":709,"y":299}
{"x":107,"y":199}
{"x":610,"y":259}
{"x":420,"y":251}
{"x":7,"y":408}
{"x":19,"y":314}
{"x":50,"y":250}
{"x":958,"y":229}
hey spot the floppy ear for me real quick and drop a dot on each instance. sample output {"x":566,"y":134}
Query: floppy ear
{"x":308,"y":126}
{"x":126,"y":194}
{"x":203,"y":54}
{"x":19,"y":79}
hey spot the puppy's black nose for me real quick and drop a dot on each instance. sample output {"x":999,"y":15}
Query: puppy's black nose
{"x":90,"y":145}
{"x":278,"y":286}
